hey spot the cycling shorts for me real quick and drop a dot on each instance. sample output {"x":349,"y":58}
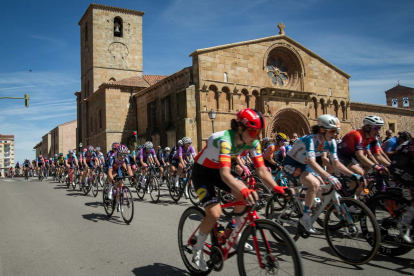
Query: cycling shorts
{"x":294,"y":169}
{"x":205,"y":180}
{"x":175,"y":162}
{"x":270,"y":165}
{"x":346,"y":160}
{"x":40,"y":164}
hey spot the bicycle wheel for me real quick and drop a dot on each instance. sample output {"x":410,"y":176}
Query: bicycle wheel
{"x":127,"y":205}
{"x":139,"y":189}
{"x":277,"y":258}
{"x":154,"y":188}
{"x":357,"y":241}
{"x":109,"y":205}
{"x":94,"y":186}
{"x":263,"y":189}
{"x":68,"y":182}
{"x":388,"y":220}
{"x":193,"y":194}
{"x":86,"y":189}
{"x":175,"y":192}
{"x":187,"y":238}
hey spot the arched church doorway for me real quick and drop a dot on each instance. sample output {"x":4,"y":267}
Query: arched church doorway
{"x":288,"y":121}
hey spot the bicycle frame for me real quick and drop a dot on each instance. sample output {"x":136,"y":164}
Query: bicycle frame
{"x":248,"y":218}
{"x":330,"y":197}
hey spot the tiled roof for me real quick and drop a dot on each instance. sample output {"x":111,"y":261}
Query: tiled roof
{"x":132,"y":81}
{"x":400,"y":88}
{"x":153,"y":79}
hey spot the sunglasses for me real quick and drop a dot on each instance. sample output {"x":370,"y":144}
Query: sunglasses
{"x":187,"y":144}
{"x":149,"y":148}
{"x":333,"y":131}
{"x":253,"y":132}
{"x":376,"y":128}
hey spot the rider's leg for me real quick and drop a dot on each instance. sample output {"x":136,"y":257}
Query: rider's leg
{"x":213,"y":213}
{"x":180,"y":171}
{"x":356,"y":168}
{"x":313,"y":183}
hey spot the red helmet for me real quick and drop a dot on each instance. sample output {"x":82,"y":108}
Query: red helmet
{"x":251,"y":118}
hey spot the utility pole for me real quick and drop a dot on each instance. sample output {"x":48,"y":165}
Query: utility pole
{"x":26,"y":99}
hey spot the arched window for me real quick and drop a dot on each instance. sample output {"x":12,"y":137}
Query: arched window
{"x":406,"y":102}
{"x":118,"y":27}
{"x":395,"y":102}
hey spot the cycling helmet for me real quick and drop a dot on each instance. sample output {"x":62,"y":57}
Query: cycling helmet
{"x":60,"y":154}
{"x":84,"y":149}
{"x":98,"y":149}
{"x":405,"y":135}
{"x":167,"y":149}
{"x":115,"y":145}
{"x":266,"y":139}
{"x":251,"y":118}
{"x":90,"y":148}
{"x":329,"y":122}
{"x":148,"y":145}
{"x":180,"y":143}
{"x":186,"y":140}
{"x":373,"y":120}
{"x":122,"y":149}
{"x":56,"y":155}
{"x":281,"y":136}
{"x":70,"y":151}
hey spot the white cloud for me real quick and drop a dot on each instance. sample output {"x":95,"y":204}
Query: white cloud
{"x":58,"y":42}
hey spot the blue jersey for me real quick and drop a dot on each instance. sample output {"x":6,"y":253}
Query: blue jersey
{"x":390,"y":145}
{"x":309,"y":147}
{"x":71,"y":159}
{"x":165,"y":156}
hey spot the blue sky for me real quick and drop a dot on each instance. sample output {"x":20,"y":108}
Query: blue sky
{"x":373,"y":41}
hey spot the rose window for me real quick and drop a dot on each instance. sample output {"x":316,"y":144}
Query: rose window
{"x":277,"y":70}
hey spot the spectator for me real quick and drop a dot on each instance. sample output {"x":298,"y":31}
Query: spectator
{"x":295,"y":137}
{"x":159,"y":153}
{"x":266,"y":143}
{"x":388,"y":135}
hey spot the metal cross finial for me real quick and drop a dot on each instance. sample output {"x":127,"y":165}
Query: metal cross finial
{"x":281,"y":27}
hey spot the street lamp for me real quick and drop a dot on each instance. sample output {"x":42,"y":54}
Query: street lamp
{"x":212,"y":115}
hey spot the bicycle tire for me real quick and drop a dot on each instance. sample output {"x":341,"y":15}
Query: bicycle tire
{"x":86,"y":189}
{"x":127,"y":204}
{"x":287,"y":250}
{"x":189,"y":222}
{"x":388,"y":222}
{"x":139,"y":189}
{"x":175,"y":192}
{"x":94,"y":184}
{"x":373,"y":239}
{"x":193,"y":194}
{"x":154,"y":187}
{"x":109,"y":205}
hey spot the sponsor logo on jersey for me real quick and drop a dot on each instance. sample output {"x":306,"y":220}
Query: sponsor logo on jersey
{"x":259,"y":149}
{"x":225,"y":148}
{"x":297,"y":172}
{"x":202,"y":193}
{"x":225,"y":158}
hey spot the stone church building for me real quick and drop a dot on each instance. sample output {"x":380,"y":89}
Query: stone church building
{"x":276,"y":75}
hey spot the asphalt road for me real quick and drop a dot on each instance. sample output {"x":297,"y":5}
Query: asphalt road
{"x":46,"y":229}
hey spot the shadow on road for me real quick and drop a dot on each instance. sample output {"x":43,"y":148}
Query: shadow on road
{"x":159,"y":269}
{"x":95,"y":204}
{"x":102,"y":217}
{"x":76,"y":194}
{"x":328,"y":261}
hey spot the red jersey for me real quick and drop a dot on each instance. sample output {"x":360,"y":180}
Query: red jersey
{"x":355,"y":141}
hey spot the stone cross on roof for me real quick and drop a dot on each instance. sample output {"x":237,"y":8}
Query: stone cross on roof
{"x":281,"y":27}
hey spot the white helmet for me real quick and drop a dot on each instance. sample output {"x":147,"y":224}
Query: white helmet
{"x":180,"y":142}
{"x":148,"y":145}
{"x":373,"y":120}
{"x":266,"y":139}
{"x":329,"y":122}
{"x":167,"y":149}
{"x":186,"y":140}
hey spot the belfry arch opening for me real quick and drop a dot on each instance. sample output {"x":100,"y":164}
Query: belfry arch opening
{"x":288,"y":121}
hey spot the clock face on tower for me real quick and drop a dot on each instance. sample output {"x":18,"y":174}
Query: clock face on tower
{"x":119,"y":54}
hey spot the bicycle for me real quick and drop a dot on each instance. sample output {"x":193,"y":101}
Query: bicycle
{"x":70,"y":180}
{"x":339,"y":224}
{"x":269,"y":256}
{"x":41,"y":174}
{"x":177,"y":192}
{"x":26,"y":174}
{"x":151,"y":186}
{"x":125,"y":203}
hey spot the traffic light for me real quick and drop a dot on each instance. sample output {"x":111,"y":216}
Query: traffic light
{"x":26,"y":100}
{"x":135,"y":137}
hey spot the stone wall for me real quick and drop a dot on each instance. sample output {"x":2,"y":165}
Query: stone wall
{"x":403,"y":119}
{"x":68,"y":141}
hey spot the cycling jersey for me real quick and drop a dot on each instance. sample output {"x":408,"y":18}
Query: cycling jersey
{"x":356,"y":141}
{"x":184,"y":153}
{"x":89,"y":157}
{"x":71,"y":159}
{"x":165,"y":156}
{"x":109,"y":154}
{"x":115,"y":164}
{"x":26,"y":164}
{"x":40,"y":160}
{"x":403,"y":163}
{"x":100,"y":157}
{"x":309,"y":147}
{"x":277,"y":152}
{"x":390,"y":145}
{"x":61,"y":160}
{"x":143,"y":154}
{"x":221,"y":147}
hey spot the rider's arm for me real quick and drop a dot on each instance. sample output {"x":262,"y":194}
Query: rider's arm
{"x":318,"y":169}
{"x":383,"y":160}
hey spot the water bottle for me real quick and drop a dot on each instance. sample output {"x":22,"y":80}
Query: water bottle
{"x":229,"y":228}
{"x":220,"y":234}
{"x":184,"y":179}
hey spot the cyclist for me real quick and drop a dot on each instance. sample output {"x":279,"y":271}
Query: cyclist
{"x":391,"y":144}
{"x":182,"y":153}
{"x":147,"y":153}
{"x":71,"y":161}
{"x":17,"y":168}
{"x":114,"y":146}
{"x":353,"y":148}
{"x":100,"y":156}
{"x":80,"y":162}
{"x":26,"y":165}
{"x":165,"y":156}
{"x":174,"y":150}
{"x":11,"y":172}
{"x":300,"y":163}
{"x":40,"y":162}
{"x":275,"y":151}
{"x":402,"y":168}
{"x":212,"y":169}
{"x":117,"y":161}
{"x":135,"y":152}
{"x":90,"y":160}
